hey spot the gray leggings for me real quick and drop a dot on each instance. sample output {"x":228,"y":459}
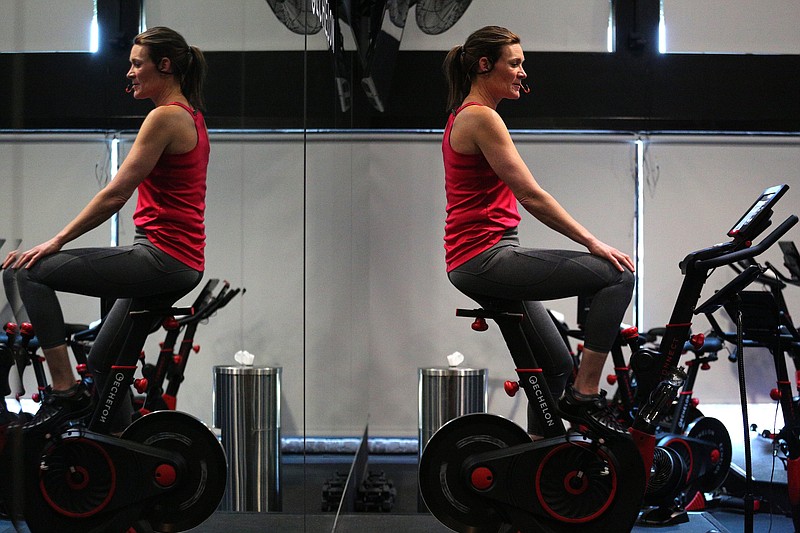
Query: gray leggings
{"x":139,"y":277}
{"x":516,"y":279}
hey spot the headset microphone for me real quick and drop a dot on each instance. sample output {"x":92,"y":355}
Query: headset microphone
{"x":129,"y":88}
{"x":525,"y":88}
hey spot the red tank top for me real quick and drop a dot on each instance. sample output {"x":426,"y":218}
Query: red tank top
{"x":480,"y":206}
{"x":172,"y":200}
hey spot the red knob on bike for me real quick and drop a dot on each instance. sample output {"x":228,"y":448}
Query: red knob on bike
{"x":11,"y":328}
{"x":140,"y":385}
{"x":81,"y":368}
{"x":196,"y":348}
{"x":705,"y":366}
{"x":170,"y":323}
{"x":715,"y":456}
{"x":511,"y":388}
{"x":482,"y":478}
{"x":611,"y":379}
{"x":35,"y":397}
{"x":177,"y":359}
{"x":165,"y":475}
{"x":26,"y":329}
{"x":630,"y":333}
{"x":479,"y":324}
{"x":697,"y":340}
{"x":695,"y":402}
{"x":775,"y":394}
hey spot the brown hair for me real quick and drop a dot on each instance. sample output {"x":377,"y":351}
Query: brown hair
{"x":188,"y":62}
{"x":461,"y":64}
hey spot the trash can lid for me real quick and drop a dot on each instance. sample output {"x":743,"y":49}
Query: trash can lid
{"x":452,"y":371}
{"x":241,"y":370}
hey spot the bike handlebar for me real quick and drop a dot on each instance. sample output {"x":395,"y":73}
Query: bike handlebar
{"x":746,"y":253}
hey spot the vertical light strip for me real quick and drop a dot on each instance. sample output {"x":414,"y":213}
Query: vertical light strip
{"x":611,"y":32}
{"x":113,"y":166}
{"x":662,"y":30}
{"x":143,"y":16}
{"x":638,"y":236}
{"x":94,"y":32}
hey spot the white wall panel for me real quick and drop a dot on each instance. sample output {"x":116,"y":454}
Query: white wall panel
{"x":45,"y":26}
{"x":571,"y":25}
{"x":48,"y":180}
{"x":343,"y":264}
{"x":732,"y":26}
{"x":698,"y":189}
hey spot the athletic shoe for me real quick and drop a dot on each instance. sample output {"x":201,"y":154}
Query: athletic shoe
{"x":590,"y":411}
{"x":59,"y":407}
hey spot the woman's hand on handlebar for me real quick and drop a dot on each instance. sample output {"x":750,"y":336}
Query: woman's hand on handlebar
{"x":619,"y":259}
{"x":27,"y":259}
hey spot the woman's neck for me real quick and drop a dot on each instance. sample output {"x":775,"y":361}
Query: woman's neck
{"x":481,"y":97}
{"x":169,"y":95}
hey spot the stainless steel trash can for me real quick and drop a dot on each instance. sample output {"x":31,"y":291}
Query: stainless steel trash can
{"x":246,"y":407}
{"x":447,"y":393}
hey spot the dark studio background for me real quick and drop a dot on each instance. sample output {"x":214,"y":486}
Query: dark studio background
{"x":633,"y":89}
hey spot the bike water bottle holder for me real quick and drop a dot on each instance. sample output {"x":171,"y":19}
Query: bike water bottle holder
{"x":660,"y":400}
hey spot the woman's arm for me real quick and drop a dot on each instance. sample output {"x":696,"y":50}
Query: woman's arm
{"x":490,"y":136}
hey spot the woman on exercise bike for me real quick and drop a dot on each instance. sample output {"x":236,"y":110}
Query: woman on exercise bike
{"x":167,"y":166}
{"x":485,"y":177}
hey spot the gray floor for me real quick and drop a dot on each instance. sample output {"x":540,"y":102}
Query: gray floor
{"x":419,"y":523}
{"x":698,"y":523}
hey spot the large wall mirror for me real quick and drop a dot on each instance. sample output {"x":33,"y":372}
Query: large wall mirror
{"x":326,"y":207}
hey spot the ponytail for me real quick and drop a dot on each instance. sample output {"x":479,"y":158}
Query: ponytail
{"x":193,"y":80}
{"x":457,"y":79}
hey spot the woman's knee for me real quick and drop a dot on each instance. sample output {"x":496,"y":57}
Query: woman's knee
{"x":623,"y":284}
{"x":9,"y":278}
{"x":627,"y":279}
{"x":20,"y":276}
{"x":15,"y":275}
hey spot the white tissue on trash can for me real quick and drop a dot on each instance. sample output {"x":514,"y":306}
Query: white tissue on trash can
{"x":455,"y":358}
{"x":243,"y":357}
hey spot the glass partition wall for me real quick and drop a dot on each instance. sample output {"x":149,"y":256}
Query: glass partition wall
{"x":332,"y":227}
{"x":326,"y":205}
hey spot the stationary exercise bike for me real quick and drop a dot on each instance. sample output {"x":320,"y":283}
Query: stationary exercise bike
{"x":170,"y":365}
{"x":763,"y":321}
{"x":695,"y":450}
{"x":166,"y":472}
{"x":482,"y":473}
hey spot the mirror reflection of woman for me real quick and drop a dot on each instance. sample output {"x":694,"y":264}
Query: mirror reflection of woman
{"x":167,"y":165}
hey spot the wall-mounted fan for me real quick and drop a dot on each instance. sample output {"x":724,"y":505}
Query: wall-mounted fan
{"x":398,"y":11}
{"x":377,"y":44}
{"x":438,"y":16}
{"x":296,"y":15}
